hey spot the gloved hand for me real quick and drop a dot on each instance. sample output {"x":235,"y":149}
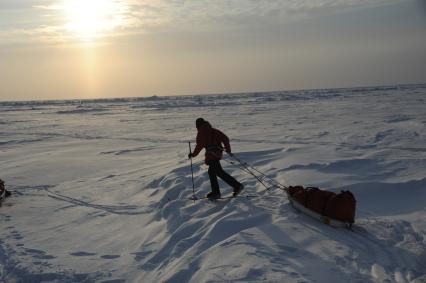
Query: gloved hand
{"x":229,"y":152}
{"x":190,"y":155}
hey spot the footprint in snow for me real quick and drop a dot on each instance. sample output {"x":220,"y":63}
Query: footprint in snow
{"x":114,"y":281}
{"x":287,"y":249}
{"x":110,"y":256}
{"x":141,"y":255}
{"x":16,"y":235}
{"x":82,"y":254}
{"x":38,"y":254}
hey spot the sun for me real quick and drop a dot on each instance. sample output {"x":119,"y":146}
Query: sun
{"x":91,"y":19}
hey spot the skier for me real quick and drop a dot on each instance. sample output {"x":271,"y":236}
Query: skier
{"x":3,"y":191}
{"x":212,"y":139}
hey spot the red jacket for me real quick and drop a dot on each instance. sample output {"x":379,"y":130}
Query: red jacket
{"x":211,"y":139}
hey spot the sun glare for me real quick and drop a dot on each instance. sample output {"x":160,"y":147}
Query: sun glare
{"x":91,"y":19}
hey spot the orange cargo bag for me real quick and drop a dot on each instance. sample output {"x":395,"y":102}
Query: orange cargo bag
{"x":300,"y":196}
{"x":341,"y":207}
{"x":317,"y":199}
{"x":294,"y":189}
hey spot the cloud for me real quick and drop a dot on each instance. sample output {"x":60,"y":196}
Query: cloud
{"x":147,"y":16}
{"x":219,"y":15}
{"x":10,"y":5}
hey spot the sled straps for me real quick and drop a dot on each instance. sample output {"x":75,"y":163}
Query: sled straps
{"x":263,"y":178}
{"x":214,"y":148}
{"x":246,"y":168}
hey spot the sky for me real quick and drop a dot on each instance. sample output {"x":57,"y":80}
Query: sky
{"x":77,"y":49}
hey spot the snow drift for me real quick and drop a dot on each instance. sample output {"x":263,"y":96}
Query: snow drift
{"x":101,"y":188}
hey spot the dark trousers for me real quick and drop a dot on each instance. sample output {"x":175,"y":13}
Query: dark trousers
{"x":215,"y":170}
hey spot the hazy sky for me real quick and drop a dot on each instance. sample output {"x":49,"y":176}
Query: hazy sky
{"x":55,"y":49}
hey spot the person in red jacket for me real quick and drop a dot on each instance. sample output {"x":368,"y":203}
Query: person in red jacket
{"x":212,"y":140}
{"x":3,"y":192}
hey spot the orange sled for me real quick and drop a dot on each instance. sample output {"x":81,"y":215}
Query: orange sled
{"x":337,"y":210}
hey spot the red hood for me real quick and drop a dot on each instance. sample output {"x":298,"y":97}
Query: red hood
{"x":205,"y":128}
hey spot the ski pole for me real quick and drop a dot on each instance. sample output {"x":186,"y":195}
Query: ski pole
{"x":192,"y":173}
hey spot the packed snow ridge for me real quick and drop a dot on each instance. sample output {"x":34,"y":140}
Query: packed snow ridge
{"x":101,"y":188}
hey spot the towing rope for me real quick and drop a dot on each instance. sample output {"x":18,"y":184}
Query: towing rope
{"x":263,"y":178}
{"x":269,"y":183}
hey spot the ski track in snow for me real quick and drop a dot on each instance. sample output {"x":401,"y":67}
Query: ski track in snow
{"x":101,"y":188}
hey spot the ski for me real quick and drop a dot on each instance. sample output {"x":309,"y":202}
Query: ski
{"x":223,"y":198}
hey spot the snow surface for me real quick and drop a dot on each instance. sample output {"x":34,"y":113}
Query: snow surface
{"x":101,"y":188}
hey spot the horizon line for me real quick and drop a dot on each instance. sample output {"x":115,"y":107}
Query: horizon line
{"x":210,"y":94}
